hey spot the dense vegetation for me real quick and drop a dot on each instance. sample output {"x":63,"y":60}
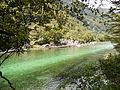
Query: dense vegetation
{"x":70,"y":31}
{"x":49,"y":21}
{"x":106,"y":74}
{"x":111,"y":65}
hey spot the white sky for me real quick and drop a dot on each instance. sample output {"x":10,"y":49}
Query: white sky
{"x":106,"y":3}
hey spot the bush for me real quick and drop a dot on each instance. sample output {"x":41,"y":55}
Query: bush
{"x":111,"y":68}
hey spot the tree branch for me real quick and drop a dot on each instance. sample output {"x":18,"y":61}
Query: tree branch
{"x":11,"y":53}
{"x":3,"y":53}
{"x":6,"y":33}
{"x":10,"y":84}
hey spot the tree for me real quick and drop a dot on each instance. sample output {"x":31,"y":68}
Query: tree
{"x":50,"y":32}
{"x":111,"y":65}
{"x":114,"y":24}
{"x":76,"y":31}
{"x":15,"y":17}
{"x":116,"y":31}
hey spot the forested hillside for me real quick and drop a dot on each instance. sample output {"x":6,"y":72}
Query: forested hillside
{"x":59,"y":45}
{"x":92,"y":17}
{"x":84,"y":28}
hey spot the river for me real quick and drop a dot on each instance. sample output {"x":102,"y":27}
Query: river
{"x":35,"y":69}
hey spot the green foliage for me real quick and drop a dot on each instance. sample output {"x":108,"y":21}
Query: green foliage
{"x":111,"y":68}
{"x":80,"y":33}
{"x":51,"y":32}
{"x":29,"y":20}
{"x":111,"y":64}
{"x":115,"y":31}
{"x":16,"y":17}
{"x":92,"y":22}
{"x":12,"y":23}
{"x":113,"y":20}
{"x":75,"y":8}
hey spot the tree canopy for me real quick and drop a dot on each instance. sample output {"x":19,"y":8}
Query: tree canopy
{"x":23,"y":21}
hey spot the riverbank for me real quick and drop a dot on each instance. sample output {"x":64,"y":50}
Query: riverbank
{"x":37,"y":68}
{"x":48,"y":46}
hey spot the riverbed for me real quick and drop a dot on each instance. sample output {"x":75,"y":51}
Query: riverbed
{"x":35,"y":69}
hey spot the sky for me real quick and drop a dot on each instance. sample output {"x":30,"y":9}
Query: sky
{"x":106,"y":3}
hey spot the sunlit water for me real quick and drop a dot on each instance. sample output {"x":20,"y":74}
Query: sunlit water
{"x":34,"y":69}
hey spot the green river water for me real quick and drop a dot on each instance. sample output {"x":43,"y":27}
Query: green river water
{"x":35,"y":69}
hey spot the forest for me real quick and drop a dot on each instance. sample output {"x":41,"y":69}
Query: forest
{"x":59,"y":45}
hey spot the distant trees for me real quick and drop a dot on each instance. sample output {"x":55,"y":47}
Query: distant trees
{"x":80,"y":33}
{"x":51,"y":33}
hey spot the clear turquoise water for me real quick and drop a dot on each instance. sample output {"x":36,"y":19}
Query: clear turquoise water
{"x":33,"y":69}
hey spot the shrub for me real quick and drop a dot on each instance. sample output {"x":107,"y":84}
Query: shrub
{"x":111,"y":68}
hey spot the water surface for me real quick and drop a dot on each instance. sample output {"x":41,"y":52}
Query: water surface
{"x":34,"y":69}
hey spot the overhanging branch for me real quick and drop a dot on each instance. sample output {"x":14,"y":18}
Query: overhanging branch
{"x":11,"y":53}
{"x":6,"y":33}
{"x":10,"y":84}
